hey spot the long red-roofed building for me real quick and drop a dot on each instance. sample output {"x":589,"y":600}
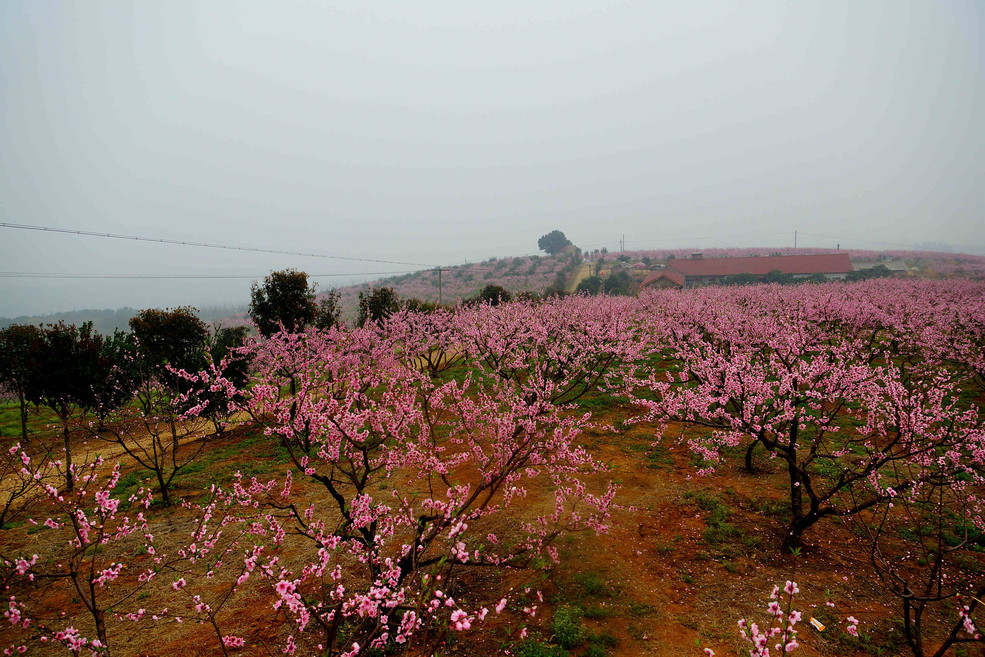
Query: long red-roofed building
{"x":705,"y":271}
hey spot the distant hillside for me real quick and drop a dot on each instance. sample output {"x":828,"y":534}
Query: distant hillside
{"x":524,"y":274}
{"x":107,"y":320}
{"x":537,"y":274}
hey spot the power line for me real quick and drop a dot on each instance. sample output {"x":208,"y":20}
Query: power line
{"x":206,"y":245}
{"x":15,"y":274}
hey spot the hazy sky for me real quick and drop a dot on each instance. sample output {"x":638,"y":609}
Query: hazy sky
{"x":439,"y":132}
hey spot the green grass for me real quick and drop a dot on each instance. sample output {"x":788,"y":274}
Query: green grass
{"x":129,"y":483}
{"x":566,"y":626}
{"x":720,"y":533}
{"x":41,"y":421}
{"x":599,"y":401}
{"x":598,"y":612}
{"x":659,"y":458}
{"x":593,"y":585}
{"x":532,"y":648}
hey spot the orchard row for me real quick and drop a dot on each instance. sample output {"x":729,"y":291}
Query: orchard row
{"x":412,"y":440}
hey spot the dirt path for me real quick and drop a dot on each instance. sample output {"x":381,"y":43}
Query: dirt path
{"x":584,"y":271}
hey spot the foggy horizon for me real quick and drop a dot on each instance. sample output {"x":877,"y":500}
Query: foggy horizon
{"x":446,"y":132}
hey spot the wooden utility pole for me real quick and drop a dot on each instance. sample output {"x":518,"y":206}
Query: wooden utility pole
{"x":439,"y":286}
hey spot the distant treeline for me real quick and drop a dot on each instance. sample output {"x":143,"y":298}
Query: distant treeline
{"x":108,"y":320}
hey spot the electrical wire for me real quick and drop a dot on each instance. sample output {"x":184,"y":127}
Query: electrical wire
{"x":14,"y":274}
{"x":207,"y":245}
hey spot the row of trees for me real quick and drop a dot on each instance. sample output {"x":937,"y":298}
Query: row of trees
{"x":402,"y":489}
{"x":76,"y":372}
{"x":407,"y":470}
{"x":860,"y":395}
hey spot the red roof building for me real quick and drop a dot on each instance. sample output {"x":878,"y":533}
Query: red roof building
{"x":704,"y":271}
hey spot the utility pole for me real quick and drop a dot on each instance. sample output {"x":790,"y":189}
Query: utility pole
{"x":795,"y":239}
{"x":439,"y":286}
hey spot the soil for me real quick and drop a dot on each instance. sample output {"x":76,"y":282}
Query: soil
{"x":660,"y":583}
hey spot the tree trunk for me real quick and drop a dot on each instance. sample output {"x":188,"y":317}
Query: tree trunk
{"x":796,"y":493}
{"x":20,"y":396}
{"x":795,"y":531}
{"x":69,"y":478}
{"x":165,"y":494}
{"x":911,"y":623}
{"x":100,"y":617}
{"x":749,"y":450}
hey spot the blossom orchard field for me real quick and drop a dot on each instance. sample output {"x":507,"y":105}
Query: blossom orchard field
{"x":853,"y":387}
{"x":395,"y":506}
{"x":89,"y":518}
{"x":363,"y":412}
{"x":859,"y":392}
{"x":414,"y":443}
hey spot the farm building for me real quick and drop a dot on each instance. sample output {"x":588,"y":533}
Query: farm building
{"x":705,"y":271}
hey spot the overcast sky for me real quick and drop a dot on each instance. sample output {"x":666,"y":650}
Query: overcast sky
{"x":440,"y":132}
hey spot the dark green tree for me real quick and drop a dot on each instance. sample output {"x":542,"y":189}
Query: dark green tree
{"x":329,"y":311}
{"x":557,"y":287}
{"x":17,"y":344}
{"x":67,"y":369}
{"x":171,"y":352}
{"x":617,"y":283}
{"x":879,"y":271}
{"x":742,"y":279}
{"x":553,"y":242}
{"x":285,"y":301}
{"x":119,"y":374}
{"x":494,"y":295}
{"x":175,"y":338}
{"x":377,"y":304}
{"x":777,"y":276}
{"x":231,"y":364}
{"x":420,"y":305}
{"x":591,"y":285}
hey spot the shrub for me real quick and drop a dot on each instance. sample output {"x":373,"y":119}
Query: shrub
{"x":567,"y":626}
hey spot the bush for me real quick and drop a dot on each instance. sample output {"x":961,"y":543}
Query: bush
{"x":567,"y":626}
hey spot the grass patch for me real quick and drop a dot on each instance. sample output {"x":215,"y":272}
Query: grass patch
{"x":659,"y":458}
{"x":537,"y":649}
{"x":598,"y":612}
{"x":720,"y":533}
{"x":593,"y":585}
{"x":598,"y":401}
{"x":566,"y":627}
{"x":128,"y":484}
{"x":41,"y":421}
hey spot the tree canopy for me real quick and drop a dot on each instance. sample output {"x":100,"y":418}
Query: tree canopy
{"x":553,"y":242}
{"x":170,"y":337}
{"x":494,"y":295}
{"x":284,"y":301}
{"x":377,"y":304}
{"x":17,"y":344}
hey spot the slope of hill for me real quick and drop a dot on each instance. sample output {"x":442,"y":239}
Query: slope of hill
{"x":537,"y":274}
{"x":533,"y":274}
{"x":107,"y":320}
